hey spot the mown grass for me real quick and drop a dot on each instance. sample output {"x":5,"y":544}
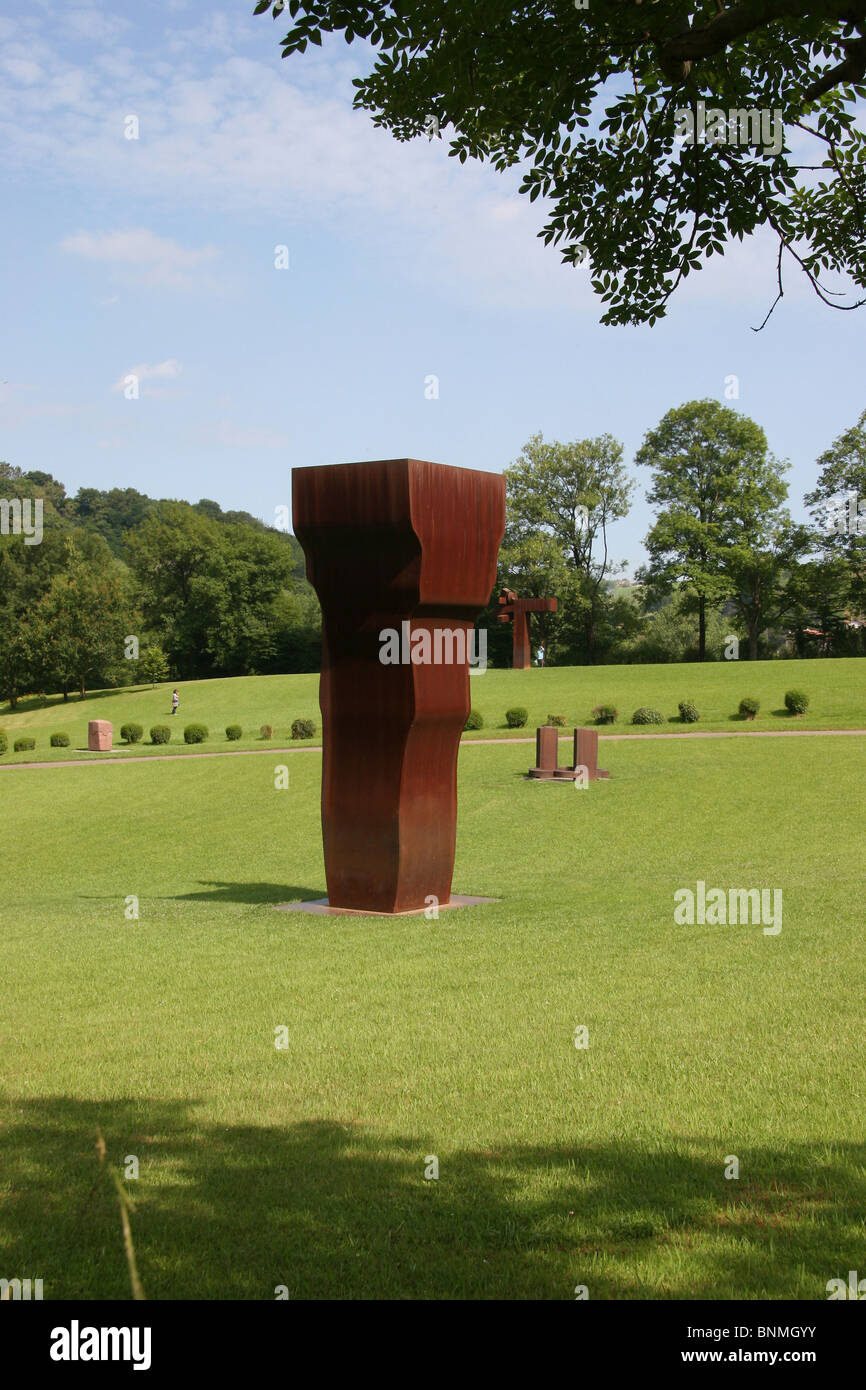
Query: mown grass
{"x":409,"y":1038}
{"x":837,"y":689}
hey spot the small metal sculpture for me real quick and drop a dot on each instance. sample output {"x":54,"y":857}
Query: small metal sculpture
{"x":584,"y":766}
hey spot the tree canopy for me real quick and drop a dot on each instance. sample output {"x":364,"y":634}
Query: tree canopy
{"x":721,"y":533}
{"x":561,"y":500}
{"x":204,"y":592}
{"x":602,"y":104}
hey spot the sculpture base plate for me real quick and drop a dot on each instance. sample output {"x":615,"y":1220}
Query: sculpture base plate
{"x":561,"y":774}
{"x":321,"y":907}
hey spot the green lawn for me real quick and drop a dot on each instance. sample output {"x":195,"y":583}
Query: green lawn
{"x":837,"y":689}
{"x":409,"y":1038}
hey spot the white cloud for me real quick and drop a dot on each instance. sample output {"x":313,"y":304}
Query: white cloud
{"x":146,"y":371}
{"x":240,"y":136}
{"x":7,"y":388}
{"x":23,"y":70}
{"x":155,"y":260}
{"x":87,"y":22}
{"x":225,"y":435}
{"x":278,"y":142}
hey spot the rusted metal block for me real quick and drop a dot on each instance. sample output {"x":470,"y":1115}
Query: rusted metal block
{"x":406,"y":547}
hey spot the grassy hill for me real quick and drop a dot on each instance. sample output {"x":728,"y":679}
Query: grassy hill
{"x":837,"y":689}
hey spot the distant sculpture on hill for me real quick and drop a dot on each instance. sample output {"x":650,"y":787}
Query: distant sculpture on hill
{"x":516,"y":610}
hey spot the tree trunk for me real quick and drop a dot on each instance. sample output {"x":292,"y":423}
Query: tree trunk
{"x":702,"y":628}
{"x":81,"y":690}
{"x":589,"y":633}
{"x":753,"y":643}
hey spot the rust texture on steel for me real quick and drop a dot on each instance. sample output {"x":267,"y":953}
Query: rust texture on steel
{"x":514,"y":609}
{"x":386,"y":543}
{"x":586,"y":753}
{"x":585,"y":756}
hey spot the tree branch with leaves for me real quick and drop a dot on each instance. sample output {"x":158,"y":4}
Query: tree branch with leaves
{"x":586,"y":103}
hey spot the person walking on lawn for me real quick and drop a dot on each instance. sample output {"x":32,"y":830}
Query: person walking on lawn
{"x":175,"y":701}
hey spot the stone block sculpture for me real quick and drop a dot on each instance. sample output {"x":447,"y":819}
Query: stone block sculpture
{"x":99,"y":733}
{"x":402,"y":555}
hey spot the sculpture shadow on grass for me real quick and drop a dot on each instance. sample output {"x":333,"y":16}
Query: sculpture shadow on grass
{"x":218,"y":891}
{"x":331,"y":1210}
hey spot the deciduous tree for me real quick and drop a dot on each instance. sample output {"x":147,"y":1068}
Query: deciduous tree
{"x":589,"y":100}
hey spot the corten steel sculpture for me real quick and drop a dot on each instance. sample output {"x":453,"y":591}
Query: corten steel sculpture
{"x":387,"y":544}
{"x":584,"y":765}
{"x":586,"y":754}
{"x":513,"y":608}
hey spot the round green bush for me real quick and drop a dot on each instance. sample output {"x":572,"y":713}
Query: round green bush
{"x":303,"y":728}
{"x":749,"y":707}
{"x":688,"y":712}
{"x":796,"y":702}
{"x":59,"y":740}
{"x":267,"y":731}
{"x":195,"y":733}
{"x":559,"y":721}
{"x":160,"y":733}
{"x":645,"y":715}
{"x":4,"y":741}
{"x":234,"y":732}
{"x":475,"y":720}
{"x":605,"y":714}
{"x":131,"y":733}
{"x":516,"y":717}
{"x":24,"y":745}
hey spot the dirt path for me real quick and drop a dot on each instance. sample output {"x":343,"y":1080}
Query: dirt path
{"x":166,"y":757}
{"x":317,"y":747}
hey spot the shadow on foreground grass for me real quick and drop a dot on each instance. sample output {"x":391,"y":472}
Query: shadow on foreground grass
{"x":331,"y":1211}
{"x":218,"y":891}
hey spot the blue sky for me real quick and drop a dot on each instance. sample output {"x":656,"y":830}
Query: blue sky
{"x":156,"y":256}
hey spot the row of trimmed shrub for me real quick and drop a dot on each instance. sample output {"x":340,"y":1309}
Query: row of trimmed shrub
{"x":796,"y":702}
{"x":26,"y":743}
{"x":161,"y":733}
{"x":199,"y":733}
{"x":515,"y":718}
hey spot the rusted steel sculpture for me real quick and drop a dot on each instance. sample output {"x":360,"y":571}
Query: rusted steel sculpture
{"x":407,"y":547}
{"x":584,"y":767}
{"x":586,"y":754}
{"x":546,"y":752}
{"x":513,"y":608}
